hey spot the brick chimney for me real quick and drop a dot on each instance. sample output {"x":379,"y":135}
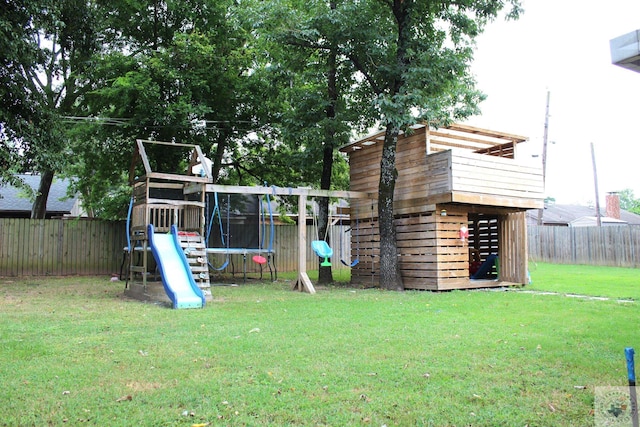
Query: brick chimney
{"x":613,"y":205}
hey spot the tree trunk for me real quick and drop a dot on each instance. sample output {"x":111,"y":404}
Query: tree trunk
{"x":39,"y":208}
{"x":325,"y":274}
{"x":221,"y":146}
{"x":390,"y":277}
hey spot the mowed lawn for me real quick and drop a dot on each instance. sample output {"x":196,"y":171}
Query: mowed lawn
{"x":74,"y":351}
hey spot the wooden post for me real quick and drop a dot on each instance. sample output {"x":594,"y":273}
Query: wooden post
{"x":544,"y":156}
{"x":595,"y":181}
{"x":303,"y":283}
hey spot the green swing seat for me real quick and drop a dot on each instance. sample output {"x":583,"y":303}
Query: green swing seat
{"x":323,"y":250}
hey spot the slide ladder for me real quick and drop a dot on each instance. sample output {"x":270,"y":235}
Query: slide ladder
{"x":195,"y":249}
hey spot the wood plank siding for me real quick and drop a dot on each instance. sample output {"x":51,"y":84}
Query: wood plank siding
{"x":454,"y":177}
{"x":479,"y":179}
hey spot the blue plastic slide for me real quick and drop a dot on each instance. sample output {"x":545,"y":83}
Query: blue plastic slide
{"x":174,"y":269}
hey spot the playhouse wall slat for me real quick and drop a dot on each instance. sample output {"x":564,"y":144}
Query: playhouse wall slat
{"x":488,"y":200}
{"x":433,"y":258}
{"x":367,"y":163}
{"x":411,"y":165}
{"x":366,"y":272}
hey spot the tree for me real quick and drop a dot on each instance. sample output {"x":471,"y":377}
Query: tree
{"x":46,"y":54}
{"x":628,"y":202}
{"x":414,"y":56}
{"x":313,"y":116}
{"x":170,"y":70}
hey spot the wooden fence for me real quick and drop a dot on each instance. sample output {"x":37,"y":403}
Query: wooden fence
{"x":60,"y":247}
{"x":90,"y":247}
{"x":615,"y":246}
{"x":285,"y":249}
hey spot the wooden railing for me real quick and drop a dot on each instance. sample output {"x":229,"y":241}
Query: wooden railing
{"x":464,"y":177}
{"x":187,"y":215}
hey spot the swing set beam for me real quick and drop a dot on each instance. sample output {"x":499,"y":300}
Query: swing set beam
{"x":303,"y":283}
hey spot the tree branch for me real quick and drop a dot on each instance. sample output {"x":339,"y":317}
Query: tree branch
{"x":368,"y":77}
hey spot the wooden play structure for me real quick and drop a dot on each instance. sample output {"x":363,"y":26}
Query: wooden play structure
{"x":162,"y":200}
{"x":458,"y":188}
{"x":303,"y":283}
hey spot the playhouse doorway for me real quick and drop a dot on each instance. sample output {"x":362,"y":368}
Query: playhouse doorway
{"x":484,"y":246}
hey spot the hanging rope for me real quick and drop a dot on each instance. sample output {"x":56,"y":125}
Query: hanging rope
{"x":262,"y":229}
{"x":225,"y":242}
{"x":357,"y":259}
{"x":321,"y":247}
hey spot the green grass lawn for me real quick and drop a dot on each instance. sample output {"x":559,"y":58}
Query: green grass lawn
{"x":75,"y":351}
{"x":613,"y":282}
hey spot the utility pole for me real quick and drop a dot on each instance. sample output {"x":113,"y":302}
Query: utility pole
{"x":595,"y":181}
{"x":544,"y":154}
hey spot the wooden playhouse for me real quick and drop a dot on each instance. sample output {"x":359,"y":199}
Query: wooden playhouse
{"x":451,"y":181}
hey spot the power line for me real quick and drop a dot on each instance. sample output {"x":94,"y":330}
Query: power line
{"x":196,"y":124}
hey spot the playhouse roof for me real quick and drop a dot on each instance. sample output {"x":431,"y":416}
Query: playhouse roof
{"x":199,"y":169}
{"x":454,"y":136}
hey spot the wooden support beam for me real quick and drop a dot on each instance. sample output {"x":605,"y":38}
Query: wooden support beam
{"x":303,"y":283}
{"x":284,"y":191}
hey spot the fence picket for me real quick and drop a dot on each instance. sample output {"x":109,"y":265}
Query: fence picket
{"x":74,"y":247}
{"x":615,"y":246}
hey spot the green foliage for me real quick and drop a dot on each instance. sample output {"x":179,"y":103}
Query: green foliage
{"x":312,"y":93}
{"x":48,"y":49}
{"x":266,"y":88}
{"x":169,"y":71}
{"x":628,"y":202}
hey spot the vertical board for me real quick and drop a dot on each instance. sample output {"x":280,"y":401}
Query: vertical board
{"x":453,"y":256}
{"x":615,"y":246}
{"x":366,"y":273}
{"x":513,"y":249}
{"x":59,"y":247}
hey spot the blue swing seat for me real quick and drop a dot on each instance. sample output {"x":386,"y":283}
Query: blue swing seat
{"x":323,"y":250}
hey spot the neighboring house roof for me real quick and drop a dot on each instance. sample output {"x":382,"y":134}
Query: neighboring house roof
{"x":576,"y":215}
{"x":591,"y":221}
{"x":14,"y":203}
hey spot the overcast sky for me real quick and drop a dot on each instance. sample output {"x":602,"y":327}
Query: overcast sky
{"x":562,"y":46}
